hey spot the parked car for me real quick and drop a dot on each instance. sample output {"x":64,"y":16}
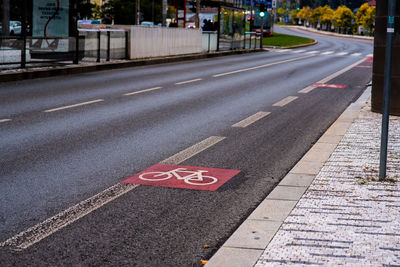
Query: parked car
{"x":88,"y":21}
{"x":15,"y":27}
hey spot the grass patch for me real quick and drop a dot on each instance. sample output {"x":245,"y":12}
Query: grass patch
{"x":283,"y":40}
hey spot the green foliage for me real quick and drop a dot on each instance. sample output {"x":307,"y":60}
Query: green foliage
{"x":305,"y":13}
{"x":284,"y":40}
{"x":327,"y":15}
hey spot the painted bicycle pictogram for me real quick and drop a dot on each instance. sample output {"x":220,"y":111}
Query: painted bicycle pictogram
{"x":191,"y":177}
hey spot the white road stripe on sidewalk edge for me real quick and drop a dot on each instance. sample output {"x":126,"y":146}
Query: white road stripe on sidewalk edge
{"x":75,"y":105}
{"x":285,"y":101}
{"x":46,"y":228}
{"x":330,"y":77}
{"x":190,"y":81}
{"x":143,"y":91}
{"x":4,"y":120}
{"x":261,"y":66}
{"x":252,"y":119}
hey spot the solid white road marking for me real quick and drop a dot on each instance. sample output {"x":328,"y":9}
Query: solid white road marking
{"x":285,"y":101}
{"x":261,"y":66}
{"x":143,"y":91}
{"x":4,"y":120}
{"x":370,"y":55}
{"x":190,"y":81}
{"x":342,"y":53}
{"x":75,"y":105}
{"x":330,"y":77}
{"x":252,"y":119}
{"x":193,"y":150}
{"x":44,"y":229}
{"x":327,"y":53}
{"x":312,"y":52}
{"x":355,"y":54}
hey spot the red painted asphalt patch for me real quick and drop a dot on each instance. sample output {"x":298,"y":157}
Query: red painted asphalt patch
{"x":370,"y":59}
{"x":329,"y":85}
{"x":187,"y":177}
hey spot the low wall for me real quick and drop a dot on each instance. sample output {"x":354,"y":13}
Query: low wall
{"x":159,"y":41}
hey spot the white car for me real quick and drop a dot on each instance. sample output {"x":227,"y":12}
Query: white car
{"x":15,"y":27}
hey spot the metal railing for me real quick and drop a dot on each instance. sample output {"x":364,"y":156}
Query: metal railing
{"x":93,"y":45}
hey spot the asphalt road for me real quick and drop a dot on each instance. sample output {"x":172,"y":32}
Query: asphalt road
{"x":68,"y":138}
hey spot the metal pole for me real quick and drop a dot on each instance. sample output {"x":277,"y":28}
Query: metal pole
{"x":126,"y":45}
{"x":209,"y":37}
{"x":98,"y":45}
{"x":387,"y":87}
{"x":164,"y":13}
{"x":219,"y":26}
{"x":137,"y":12}
{"x":261,"y":34}
{"x":108,"y":45}
{"x":197,"y":14}
{"x":75,"y":21}
{"x":23,"y":50}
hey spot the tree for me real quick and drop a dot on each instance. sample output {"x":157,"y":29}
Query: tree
{"x":316,"y":14}
{"x":365,"y":16}
{"x":343,"y":17}
{"x":327,"y":15}
{"x":304,"y":13}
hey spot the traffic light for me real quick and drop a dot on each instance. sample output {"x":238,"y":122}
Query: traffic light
{"x":262,"y":14}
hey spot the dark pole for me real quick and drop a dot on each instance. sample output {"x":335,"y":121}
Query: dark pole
{"x":219,"y":26}
{"x":387,"y":87}
{"x":98,"y":45}
{"x":75,"y":21}
{"x":23,"y":50}
{"x":6,"y":18}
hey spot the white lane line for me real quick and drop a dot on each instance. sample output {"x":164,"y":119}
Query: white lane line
{"x":306,"y":90}
{"x":143,"y":91}
{"x":48,"y":227}
{"x":313,"y":52}
{"x":193,"y":150}
{"x":42,"y":230}
{"x":252,"y":119}
{"x":342,"y":53}
{"x":330,"y":77}
{"x":190,"y":81}
{"x":355,"y":54}
{"x":4,"y":120}
{"x":281,"y":50}
{"x":75,"y":105}
{"x":298,"y":51}
{"x":261,"y":66}
{"x":327,"y":53}
{"x":285,"y":101}
{"x":370,"y":55}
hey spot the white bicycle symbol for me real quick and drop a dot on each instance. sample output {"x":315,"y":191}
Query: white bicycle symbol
{"x":193,"y":177}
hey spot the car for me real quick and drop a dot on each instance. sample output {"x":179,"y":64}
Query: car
{"x":15,"y":27}
{"x":88,"y":21}
{"x":147,"y":23}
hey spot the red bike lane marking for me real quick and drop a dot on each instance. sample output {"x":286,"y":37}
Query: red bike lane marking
{"x":326,"y":85}
{"x":197,"y":178}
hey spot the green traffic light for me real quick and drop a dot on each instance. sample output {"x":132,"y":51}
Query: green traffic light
{"x":262,"y":14}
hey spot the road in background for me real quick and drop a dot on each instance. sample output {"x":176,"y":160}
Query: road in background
{"x":67,"y":138}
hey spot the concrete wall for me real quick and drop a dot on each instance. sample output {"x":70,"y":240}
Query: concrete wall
{"x":157,"y":41}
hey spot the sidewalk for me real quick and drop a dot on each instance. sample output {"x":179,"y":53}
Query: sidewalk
{"x":330,"y":209}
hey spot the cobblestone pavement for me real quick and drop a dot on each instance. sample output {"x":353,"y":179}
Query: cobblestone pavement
{"x":347,"y":217}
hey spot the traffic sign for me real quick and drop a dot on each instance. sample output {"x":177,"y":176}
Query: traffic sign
{"x":187,"y":177}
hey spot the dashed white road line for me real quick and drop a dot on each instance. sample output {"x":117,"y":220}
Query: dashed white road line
{"x":4,"y":120}
{"x":313,"y":52}
{"x":193,"y":150}
{"x":46,"y":228}
{"x":285,"y":101}
{"x":143,"y":91}
{"x":190,"y":81}
{"x":330,"y":77}
{"x":298,"y":51}
{"x":252,"y":119}
{"x":327,"y":53}
{"x":355,"y":54}
{"x":370,"y":55}
{"x":342,"y":53}
{"x":261,"y":66}
{"x":75,"y":105}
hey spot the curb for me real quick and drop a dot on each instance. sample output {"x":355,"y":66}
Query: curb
{"x":50,"y":72}
{"x":368,"y":38}
{"x":249,"y":241}
{"x":292,"y":46}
